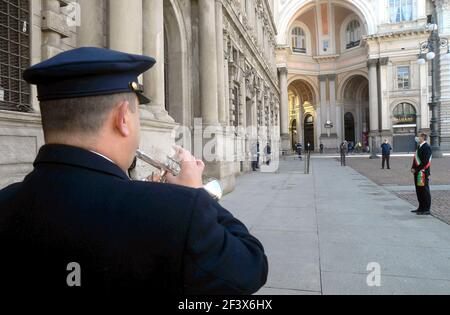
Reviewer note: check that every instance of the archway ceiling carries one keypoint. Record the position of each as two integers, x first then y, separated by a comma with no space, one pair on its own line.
303,90
355,86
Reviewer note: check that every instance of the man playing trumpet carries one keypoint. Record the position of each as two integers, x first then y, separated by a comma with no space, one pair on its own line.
79,208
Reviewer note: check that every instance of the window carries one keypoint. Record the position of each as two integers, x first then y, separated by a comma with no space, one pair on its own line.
14,54
298,40
403,80
404,114
401,10
353,34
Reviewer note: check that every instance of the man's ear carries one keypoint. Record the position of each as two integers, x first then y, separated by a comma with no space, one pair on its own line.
122,119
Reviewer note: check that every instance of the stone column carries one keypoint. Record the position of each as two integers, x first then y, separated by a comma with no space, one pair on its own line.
54,29
325,108
443,17
208,62
359,122
284,110
385,112
90,32
220,64
335,110
125,26
340,123
153,45
227,92
424,122
373,103
319,126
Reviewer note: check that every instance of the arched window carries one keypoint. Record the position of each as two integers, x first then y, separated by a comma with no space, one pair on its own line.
298,40
404,114
401,10
353,34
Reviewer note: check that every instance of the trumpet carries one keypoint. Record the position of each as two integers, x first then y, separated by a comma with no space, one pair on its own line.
171,166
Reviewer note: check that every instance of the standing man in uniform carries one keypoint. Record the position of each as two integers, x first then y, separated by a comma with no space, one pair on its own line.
79,209
421,169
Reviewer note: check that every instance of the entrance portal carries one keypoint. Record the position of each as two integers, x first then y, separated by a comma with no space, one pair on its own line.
349,127
309,132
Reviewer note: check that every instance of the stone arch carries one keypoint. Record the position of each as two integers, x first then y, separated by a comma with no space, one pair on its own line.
345,79
411,101
309,83
178,64
293,8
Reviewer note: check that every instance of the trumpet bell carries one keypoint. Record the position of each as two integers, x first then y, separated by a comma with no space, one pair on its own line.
214,189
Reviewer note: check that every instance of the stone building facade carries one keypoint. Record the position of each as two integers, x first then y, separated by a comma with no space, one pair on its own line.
216,70
349,71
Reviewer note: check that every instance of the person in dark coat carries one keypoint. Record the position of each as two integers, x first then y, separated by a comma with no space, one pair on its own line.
268,153
421,168
343,151
299,148
254,156
386,152
78,221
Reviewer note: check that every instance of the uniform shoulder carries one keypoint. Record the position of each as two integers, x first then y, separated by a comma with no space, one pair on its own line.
9,190
167,192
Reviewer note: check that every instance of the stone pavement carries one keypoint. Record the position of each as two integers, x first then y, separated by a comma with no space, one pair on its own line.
399,181
322,230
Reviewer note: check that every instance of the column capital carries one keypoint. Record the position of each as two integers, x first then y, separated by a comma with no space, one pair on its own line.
323,77
282,68
372,62
384,61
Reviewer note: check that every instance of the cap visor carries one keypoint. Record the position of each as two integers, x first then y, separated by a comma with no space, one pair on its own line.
143,99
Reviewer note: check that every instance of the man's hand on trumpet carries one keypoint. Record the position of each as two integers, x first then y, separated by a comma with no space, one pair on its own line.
191,174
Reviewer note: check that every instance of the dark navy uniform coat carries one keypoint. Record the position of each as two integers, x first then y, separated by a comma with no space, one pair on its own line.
78,207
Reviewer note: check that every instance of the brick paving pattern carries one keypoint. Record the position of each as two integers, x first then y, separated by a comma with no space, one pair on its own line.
400,175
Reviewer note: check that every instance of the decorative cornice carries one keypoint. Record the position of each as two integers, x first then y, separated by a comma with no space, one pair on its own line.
395,34
325,58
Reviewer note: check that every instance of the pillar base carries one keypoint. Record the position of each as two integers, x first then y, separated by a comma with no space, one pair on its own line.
330,143
375,143
445,143
221,146
156,140
286,145
160,113
437,153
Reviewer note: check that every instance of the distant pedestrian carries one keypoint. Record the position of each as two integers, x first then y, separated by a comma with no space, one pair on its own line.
386,152
343,150
254,157
321,148
268,153
258,155
299,148
421,169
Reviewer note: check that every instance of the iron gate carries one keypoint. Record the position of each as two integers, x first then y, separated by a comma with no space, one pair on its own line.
14,54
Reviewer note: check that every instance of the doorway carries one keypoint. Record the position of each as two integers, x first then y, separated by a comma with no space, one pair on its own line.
349,120
309,132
